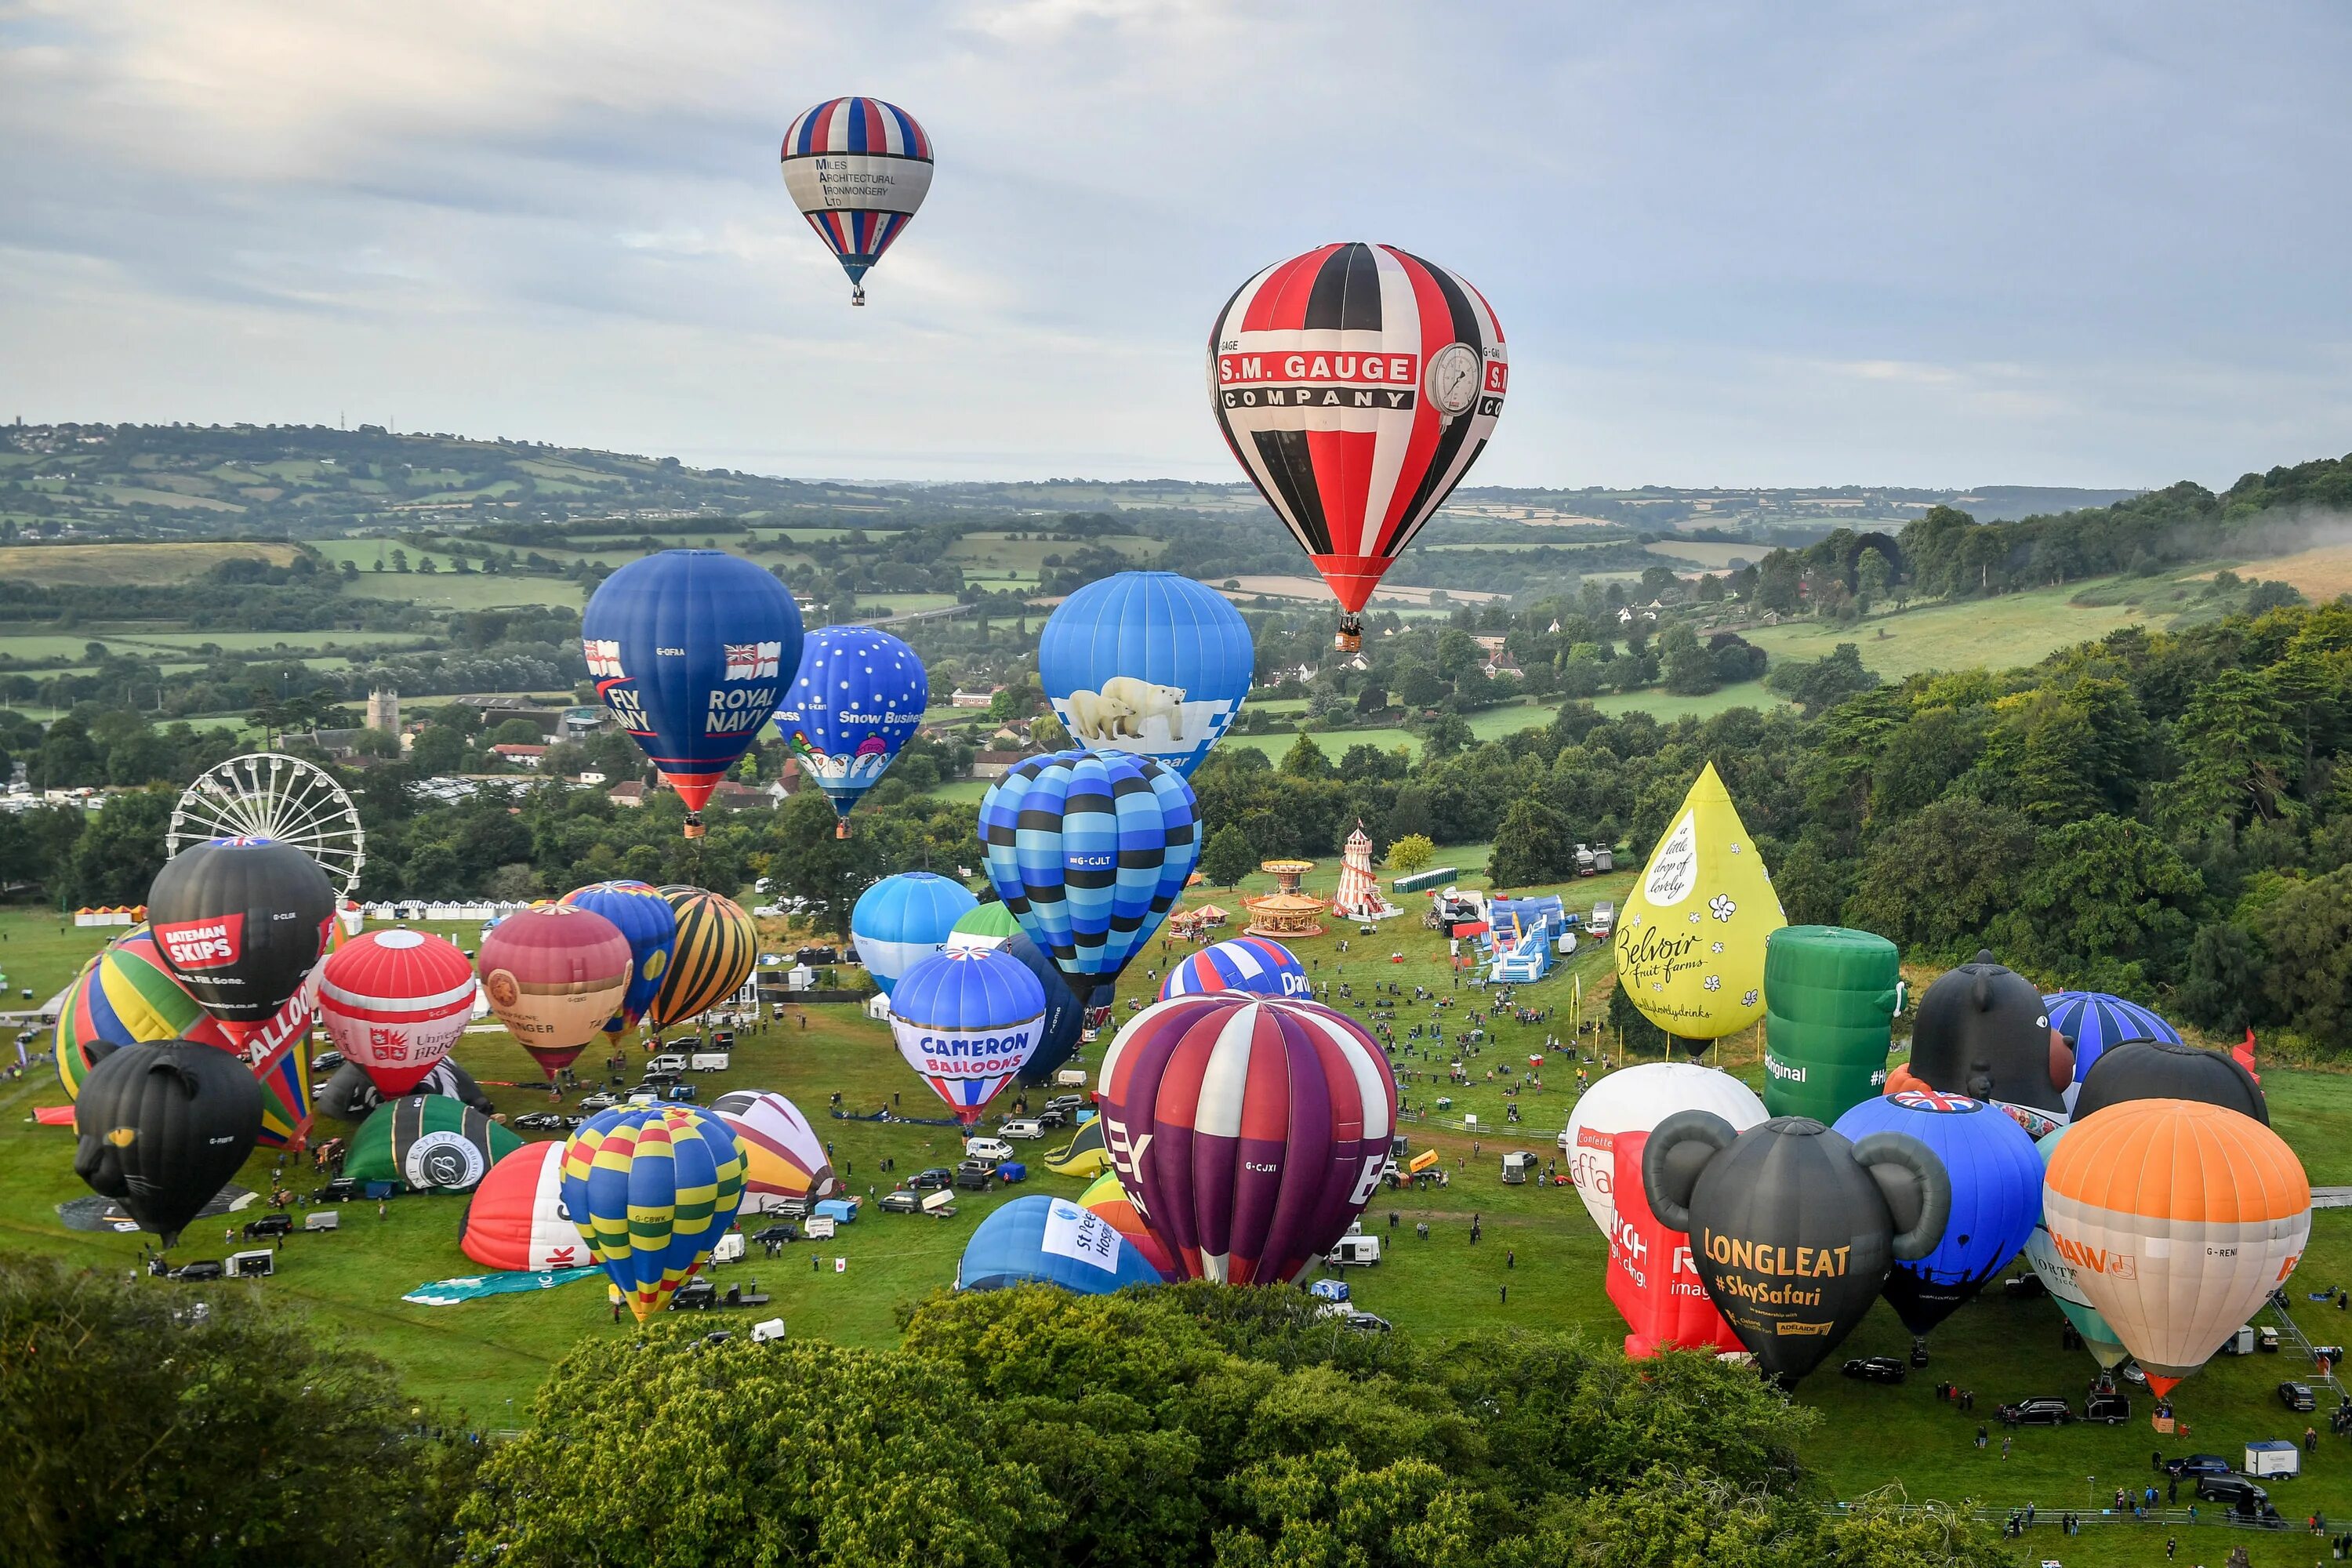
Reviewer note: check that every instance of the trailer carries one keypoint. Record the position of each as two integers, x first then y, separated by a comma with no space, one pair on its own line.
2276,1457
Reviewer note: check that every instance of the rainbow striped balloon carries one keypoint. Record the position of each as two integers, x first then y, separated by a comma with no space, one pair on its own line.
652,1189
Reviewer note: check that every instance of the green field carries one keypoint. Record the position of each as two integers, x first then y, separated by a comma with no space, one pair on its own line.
2010,630
132,565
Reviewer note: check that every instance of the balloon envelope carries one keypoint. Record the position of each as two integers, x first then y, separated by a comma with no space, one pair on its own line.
782,1155
1980,1030
1634,1099
395,1002
350,1095
552,974
1106,1197
1691,939
1830,995
427,1143
857,168
717,946
2057,1277
642,916
1147,661
1064,1023
857,697
1040,1240
162,1126
967,1021
903,919
241,923
689,650
986,926
2092,1021
652,1189
1654,1279
1251,963
1250,1132
2167,1070
517,1220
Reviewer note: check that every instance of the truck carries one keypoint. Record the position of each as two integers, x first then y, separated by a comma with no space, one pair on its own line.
1517,1166
1355,1252
1604,919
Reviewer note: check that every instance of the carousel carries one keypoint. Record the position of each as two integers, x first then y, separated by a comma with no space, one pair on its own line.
1281,915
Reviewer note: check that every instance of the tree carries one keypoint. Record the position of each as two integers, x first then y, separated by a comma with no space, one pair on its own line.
438,750
1939,881
121,849
1410,854
1689,670
1531,847
1872,576
1305,760
2223,990
1444,735
2306,932
1227,857
1049,734
2109,904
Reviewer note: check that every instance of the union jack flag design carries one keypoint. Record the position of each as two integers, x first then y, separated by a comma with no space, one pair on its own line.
604,657
1935,1099
753,660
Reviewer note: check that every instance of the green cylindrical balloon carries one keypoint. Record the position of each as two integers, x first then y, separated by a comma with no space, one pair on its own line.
1829,1000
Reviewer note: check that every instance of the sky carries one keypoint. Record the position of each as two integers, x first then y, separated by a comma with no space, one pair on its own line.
1737,244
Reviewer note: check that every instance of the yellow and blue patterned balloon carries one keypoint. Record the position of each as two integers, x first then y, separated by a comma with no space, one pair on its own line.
652,1189
646,918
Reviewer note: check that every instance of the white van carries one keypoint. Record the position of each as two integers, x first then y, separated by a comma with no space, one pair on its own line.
668,1062
1024,1128
987,1149
730,1249
1355,1252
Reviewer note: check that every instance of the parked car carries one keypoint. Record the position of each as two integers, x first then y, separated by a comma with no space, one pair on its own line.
1049,1117
901,1201
2294,1396
682,1092
776,1232
326,1061
973,1175
1874,1368
202,1269
697,1295
928,1180
1067,1102
2115,1409
2194,1465
2036,1412
283,1224
341,1190
659,1078
1026,1127
600,1101
547,1121
1368,1323
2239,1492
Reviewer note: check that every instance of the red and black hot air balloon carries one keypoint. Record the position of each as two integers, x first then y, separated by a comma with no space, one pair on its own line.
1356,385
241,923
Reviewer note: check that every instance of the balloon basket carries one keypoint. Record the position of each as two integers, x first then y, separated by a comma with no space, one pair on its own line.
841,829
1349,637
694,824
858,296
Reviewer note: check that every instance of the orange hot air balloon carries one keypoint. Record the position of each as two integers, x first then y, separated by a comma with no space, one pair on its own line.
2178,1218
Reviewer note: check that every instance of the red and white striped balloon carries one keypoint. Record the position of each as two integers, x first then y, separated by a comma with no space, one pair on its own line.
395,1002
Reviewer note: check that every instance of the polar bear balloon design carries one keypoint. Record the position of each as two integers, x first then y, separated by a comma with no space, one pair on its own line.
1121,710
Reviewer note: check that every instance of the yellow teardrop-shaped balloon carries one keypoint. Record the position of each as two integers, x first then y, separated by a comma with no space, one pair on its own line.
1690,941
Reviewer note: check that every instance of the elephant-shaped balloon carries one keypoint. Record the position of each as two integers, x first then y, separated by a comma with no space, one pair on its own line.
1982,1030
1794,1229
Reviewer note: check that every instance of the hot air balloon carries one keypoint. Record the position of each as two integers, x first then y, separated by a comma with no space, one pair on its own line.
241,923
1249,1131
516,1219
161,1127
966,1021
2168,1069
652,1189
1691,940
1830,999
857,697
782,1155
1065,1024
428,1144
1089,850
1106,1197
643,916
986,926
1635,1100
1996,1178
1041,1241
2092,1020
690,649
1356,385
552,974
1794,1227
903,919
1149,662
1251,963
351,1094
395,1002
717,948
1654,1276
2057,1276
857,168
2179,1218
1981,1031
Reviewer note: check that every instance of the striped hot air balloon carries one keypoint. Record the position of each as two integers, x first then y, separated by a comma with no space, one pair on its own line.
782,1155
395,1002
857,168
2092,1020
2177,1219
652,1189
1249,963
1106,1197
716,947
552,974
640,913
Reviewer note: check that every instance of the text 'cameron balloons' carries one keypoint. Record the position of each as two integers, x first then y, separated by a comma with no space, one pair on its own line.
395,1002
241,923
552,974
857,168
162,1126
2092,1021
857,697
1106,1197
1041,1241
1794,1229
691,649
652,1189
782,1156
642,916
1090,850
1249,963
900,920
2057,1276
1654,1279
1830,999
1063,1028
967,1021
717,946
2168,1069
1635,1100
1147,661
516,1219
1356,385
1249,1131
2179,1218
1996,1176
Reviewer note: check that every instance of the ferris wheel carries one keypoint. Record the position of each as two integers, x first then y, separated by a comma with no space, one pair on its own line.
268,795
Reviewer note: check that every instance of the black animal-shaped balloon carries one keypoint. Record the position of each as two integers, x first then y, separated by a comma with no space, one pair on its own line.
1981,1031
1792,1227
162,1126
2162,1070
351,1094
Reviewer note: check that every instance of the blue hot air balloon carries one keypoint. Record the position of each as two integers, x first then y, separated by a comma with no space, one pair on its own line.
1064,1022
1243,963
2092,1020
691,649
1089,850
900,920
967,1020
1996,1180
1040,1240
641,915
858,695
1147,661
